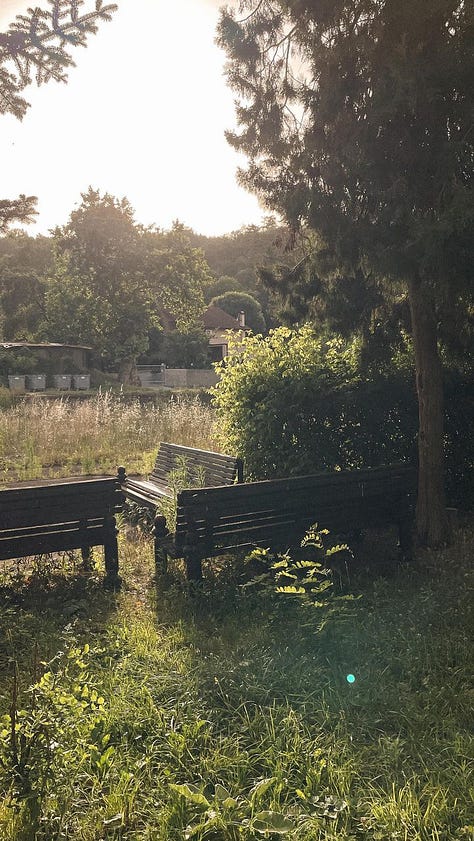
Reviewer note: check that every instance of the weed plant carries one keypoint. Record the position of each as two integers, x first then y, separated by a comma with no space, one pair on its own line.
217,714
61,437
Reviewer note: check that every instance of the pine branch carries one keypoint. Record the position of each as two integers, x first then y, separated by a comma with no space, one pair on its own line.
21,209
38,45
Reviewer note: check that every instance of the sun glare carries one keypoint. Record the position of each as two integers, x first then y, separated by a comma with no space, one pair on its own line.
143,115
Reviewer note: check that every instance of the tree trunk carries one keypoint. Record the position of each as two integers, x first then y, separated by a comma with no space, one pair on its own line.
432,520
128,374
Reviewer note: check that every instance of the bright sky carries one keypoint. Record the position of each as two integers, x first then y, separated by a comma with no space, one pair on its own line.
143,116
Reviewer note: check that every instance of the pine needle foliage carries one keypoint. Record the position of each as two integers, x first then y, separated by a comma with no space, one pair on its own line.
21,209
37,47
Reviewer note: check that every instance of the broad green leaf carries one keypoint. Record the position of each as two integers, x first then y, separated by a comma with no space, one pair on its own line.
275,822
259,789
191,793
224,797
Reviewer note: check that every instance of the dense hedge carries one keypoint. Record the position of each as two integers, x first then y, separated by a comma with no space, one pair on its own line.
294,403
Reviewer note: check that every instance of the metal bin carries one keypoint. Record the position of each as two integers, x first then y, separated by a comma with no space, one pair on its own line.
62,381
36,382
16,382
81,381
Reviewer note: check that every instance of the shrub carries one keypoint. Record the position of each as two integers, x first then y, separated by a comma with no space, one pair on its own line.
295,403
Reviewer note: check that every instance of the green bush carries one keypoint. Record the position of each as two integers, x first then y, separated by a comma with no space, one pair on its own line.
295,403
19,362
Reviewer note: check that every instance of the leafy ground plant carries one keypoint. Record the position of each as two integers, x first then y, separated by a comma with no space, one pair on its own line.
225,724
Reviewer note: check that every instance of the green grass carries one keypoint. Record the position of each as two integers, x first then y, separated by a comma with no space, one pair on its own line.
227,716
163,713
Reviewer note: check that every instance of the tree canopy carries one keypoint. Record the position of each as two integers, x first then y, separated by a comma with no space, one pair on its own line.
234,302
97,293
356,119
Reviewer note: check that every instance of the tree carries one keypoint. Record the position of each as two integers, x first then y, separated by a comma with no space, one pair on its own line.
349,304
37,44
97,293
235,302
221,285
356,119
177,275
24,261
21,209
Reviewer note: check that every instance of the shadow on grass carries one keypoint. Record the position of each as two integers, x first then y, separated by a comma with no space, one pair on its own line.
44,602
406,622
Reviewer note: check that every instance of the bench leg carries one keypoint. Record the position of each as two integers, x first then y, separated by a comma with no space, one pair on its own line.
86,554
192,554
160,532
193,566
112,578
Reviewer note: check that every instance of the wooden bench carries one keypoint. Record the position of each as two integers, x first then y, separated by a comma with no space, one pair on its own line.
202,468
40,517
277,513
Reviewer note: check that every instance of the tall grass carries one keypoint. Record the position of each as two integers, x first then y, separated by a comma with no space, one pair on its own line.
54,438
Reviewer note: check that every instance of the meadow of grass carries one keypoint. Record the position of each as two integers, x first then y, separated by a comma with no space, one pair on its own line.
218,713
63,436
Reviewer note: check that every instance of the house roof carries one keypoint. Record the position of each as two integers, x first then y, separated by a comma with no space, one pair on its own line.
216,319
39,345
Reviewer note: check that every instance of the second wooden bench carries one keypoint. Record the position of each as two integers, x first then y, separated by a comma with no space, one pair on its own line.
202,467
276,513
52,516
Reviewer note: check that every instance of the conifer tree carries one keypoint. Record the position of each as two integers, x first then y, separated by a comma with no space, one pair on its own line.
356,119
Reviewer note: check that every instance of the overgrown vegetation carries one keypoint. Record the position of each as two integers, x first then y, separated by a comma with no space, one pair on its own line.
65,436
297,402
225,714
228,711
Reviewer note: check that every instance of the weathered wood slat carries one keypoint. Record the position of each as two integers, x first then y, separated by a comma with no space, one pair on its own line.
213,520
58,490
378,480
52,516
202,467
52,541
37,512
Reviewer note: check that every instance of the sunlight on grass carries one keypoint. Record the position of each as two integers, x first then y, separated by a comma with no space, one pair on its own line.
219,717
61,437
166,712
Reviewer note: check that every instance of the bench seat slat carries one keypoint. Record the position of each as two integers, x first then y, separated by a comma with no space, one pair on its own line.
145,486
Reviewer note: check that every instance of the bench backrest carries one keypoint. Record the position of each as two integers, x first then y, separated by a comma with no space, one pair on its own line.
202,467
53,516
272,512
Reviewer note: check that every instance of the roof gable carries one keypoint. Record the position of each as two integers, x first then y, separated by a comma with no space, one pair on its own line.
214,319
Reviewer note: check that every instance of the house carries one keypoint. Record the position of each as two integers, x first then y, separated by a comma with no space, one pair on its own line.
217,324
